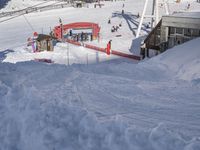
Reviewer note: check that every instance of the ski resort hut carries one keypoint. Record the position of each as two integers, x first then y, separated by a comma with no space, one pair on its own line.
172,30
78,4
44,43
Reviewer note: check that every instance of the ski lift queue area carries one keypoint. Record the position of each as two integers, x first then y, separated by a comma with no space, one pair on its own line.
79,34
79,31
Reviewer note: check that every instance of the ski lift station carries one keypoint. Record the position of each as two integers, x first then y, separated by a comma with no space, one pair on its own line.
172,30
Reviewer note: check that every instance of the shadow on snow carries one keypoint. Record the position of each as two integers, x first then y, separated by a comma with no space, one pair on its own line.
4,53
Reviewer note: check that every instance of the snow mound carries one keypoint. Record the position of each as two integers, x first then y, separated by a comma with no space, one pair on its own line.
183,60
32,120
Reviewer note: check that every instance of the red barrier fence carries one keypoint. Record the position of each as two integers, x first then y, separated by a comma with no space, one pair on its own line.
125,55
117,53
73,42
95,48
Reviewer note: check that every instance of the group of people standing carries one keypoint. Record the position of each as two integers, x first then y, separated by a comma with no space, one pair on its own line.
114,28
80,36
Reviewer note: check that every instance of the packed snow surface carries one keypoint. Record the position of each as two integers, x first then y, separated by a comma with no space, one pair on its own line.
110,105
87,100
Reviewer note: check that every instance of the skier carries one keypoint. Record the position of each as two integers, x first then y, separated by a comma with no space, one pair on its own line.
113,29
82,34
120,25
34,45
70,32
116,28
138,15
108,48
91,37
109,21
188,6
122,11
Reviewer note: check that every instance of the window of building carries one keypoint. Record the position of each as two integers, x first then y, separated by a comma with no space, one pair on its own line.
172,30
187,32
195,32
179,30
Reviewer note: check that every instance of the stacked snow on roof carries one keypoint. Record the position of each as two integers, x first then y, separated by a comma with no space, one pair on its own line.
190,14
183,60
195,15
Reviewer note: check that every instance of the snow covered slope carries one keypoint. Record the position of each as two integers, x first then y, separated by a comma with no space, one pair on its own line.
19,4
13,5
114,104
110,105
188,66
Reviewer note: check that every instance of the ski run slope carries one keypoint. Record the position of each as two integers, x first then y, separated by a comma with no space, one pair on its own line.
107,103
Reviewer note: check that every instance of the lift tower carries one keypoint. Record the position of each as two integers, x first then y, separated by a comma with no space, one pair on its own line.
154,15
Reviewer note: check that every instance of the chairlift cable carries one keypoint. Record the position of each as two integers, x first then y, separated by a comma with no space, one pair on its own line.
29,23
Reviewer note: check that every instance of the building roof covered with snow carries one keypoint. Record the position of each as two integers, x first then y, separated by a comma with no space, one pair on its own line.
186,15
182,20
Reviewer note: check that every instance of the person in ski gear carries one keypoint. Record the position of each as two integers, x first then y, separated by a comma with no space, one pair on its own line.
109,21
108,48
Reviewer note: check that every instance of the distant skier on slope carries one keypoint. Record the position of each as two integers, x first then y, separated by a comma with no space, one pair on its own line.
109,21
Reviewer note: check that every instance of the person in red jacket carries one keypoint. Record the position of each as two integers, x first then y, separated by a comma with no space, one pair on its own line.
108,47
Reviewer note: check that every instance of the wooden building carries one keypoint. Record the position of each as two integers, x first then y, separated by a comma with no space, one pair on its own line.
172,30
78,3
44,43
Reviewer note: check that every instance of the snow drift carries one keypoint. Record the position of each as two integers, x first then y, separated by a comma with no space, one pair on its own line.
39,111
183,60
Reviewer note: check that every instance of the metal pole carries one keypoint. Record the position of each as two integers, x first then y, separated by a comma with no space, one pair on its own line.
142,18
153,15
166,8
87,59
157,12
61,29
67,53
